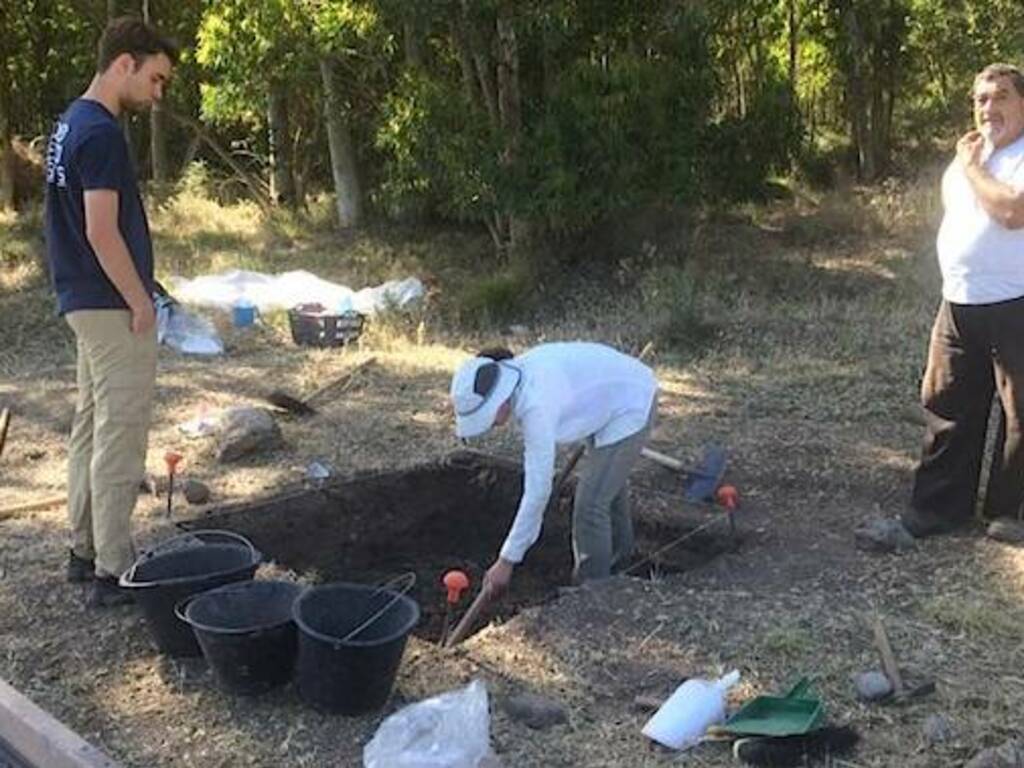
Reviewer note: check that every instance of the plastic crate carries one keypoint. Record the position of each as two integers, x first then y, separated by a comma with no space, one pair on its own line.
311,327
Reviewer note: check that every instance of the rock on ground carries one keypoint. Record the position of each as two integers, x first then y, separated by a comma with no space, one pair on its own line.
1007,755
884,536
244,431
872,686
937,729
196,492
533,710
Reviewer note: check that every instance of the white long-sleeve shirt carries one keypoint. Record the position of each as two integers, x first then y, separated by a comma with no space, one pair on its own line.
569,392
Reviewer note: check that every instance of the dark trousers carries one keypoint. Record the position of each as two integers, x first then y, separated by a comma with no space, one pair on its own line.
974,352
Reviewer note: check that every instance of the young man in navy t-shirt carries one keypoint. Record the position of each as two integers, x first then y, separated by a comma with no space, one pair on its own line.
101,262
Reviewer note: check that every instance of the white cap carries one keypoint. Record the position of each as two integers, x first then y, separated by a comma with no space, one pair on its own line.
479,388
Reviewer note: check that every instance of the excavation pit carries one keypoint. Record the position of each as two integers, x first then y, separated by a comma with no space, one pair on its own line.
452,513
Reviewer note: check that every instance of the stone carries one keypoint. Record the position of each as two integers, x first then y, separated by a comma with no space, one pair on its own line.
884,535
195,491
1006,530
244,431
872,686
1008,755
937,729
537,712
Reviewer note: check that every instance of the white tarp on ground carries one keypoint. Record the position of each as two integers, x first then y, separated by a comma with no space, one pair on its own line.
283,291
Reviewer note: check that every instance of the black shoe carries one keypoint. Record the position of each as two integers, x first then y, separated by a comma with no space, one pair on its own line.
80,569
104,593
921,524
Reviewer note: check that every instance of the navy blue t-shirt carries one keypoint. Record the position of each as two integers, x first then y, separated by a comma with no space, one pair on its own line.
88,151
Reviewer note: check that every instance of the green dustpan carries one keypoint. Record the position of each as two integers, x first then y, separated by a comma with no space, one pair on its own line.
794,714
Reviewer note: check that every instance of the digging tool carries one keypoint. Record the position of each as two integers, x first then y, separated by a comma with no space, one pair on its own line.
455,582
483,599
304,406
5,421
171,459
700,482
900,692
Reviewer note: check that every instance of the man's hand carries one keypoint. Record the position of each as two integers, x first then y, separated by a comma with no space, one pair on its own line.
498,576
143,318
969,149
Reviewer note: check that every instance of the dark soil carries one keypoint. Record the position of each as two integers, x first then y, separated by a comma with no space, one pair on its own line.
454,513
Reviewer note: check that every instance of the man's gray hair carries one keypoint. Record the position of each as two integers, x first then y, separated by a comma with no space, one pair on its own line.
998,70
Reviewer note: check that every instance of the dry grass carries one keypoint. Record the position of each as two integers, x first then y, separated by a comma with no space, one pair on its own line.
820,316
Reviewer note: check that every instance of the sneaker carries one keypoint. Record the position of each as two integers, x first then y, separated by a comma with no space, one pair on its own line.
1006,530
884,535
105,593
80,569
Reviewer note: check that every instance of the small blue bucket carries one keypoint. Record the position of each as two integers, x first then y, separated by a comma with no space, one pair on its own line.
243,314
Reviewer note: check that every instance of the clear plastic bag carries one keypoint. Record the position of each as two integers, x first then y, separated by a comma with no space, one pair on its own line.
451,730
184,331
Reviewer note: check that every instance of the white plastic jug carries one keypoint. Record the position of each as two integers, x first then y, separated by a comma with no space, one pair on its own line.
694,706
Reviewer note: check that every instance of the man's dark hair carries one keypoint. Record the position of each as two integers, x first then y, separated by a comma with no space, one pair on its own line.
997,70
130,34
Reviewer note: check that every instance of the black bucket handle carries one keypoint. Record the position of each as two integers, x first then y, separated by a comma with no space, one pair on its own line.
400,586
405,582
127,579
181,608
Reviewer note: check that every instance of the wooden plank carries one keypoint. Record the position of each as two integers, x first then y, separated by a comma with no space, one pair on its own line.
40,739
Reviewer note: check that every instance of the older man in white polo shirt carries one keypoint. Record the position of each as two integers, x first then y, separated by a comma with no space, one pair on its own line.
563,393
977,341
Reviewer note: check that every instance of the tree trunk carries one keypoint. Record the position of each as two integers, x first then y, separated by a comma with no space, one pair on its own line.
460,42
485,76
343,160
856,94
413,48
6,164
157,135
282,181
111,9
510,112
794,46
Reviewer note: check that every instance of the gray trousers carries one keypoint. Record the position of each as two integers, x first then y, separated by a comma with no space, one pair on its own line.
602,528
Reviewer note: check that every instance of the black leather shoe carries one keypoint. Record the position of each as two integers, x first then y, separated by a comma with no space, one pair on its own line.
921,524
104,593
80,569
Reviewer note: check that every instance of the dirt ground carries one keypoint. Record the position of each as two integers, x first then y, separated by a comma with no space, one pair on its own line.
813,399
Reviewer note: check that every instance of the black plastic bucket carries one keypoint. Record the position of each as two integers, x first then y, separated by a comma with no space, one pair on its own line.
184,566
246,632
354,675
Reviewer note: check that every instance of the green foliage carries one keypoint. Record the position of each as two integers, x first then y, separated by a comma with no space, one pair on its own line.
612,138
440,154
494,298
675,305
741,152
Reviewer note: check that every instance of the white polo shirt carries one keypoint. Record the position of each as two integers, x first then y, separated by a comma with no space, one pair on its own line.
569,392
982,261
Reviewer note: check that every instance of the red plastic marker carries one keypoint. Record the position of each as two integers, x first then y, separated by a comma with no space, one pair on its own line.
729,497
456,582
171,459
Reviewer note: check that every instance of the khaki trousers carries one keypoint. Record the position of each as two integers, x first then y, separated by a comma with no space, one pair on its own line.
602,525
107,451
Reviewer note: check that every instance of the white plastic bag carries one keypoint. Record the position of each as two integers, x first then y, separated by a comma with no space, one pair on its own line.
451,730
184,331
